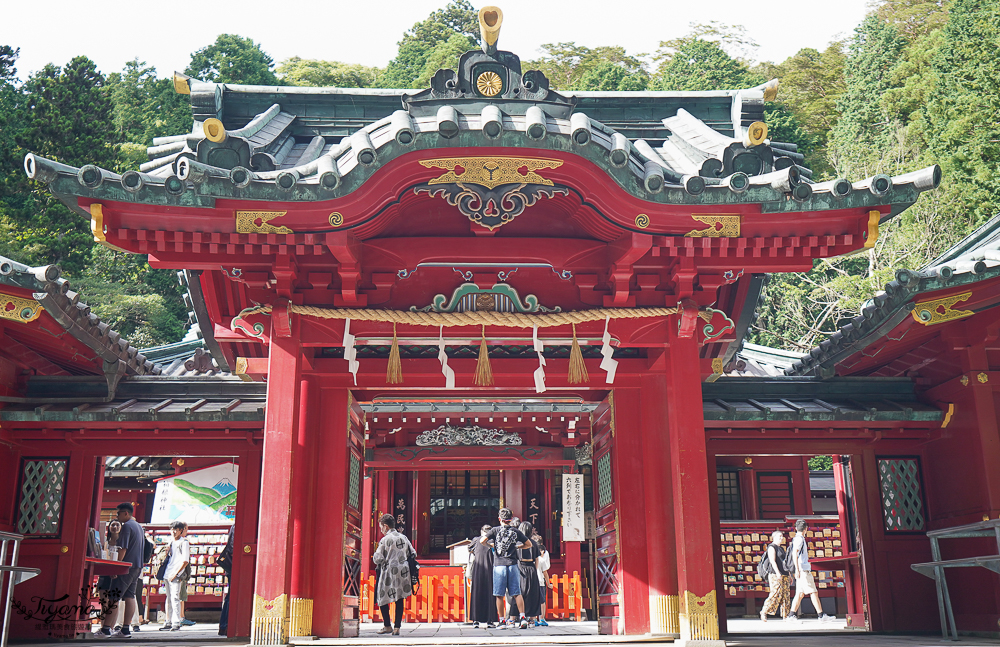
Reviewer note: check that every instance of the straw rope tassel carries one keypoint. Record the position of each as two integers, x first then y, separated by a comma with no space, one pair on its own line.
484,372
394,371
577,367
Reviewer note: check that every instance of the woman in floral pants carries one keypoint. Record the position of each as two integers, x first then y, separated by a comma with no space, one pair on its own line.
777,579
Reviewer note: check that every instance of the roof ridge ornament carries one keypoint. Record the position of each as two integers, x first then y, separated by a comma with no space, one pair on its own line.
490,19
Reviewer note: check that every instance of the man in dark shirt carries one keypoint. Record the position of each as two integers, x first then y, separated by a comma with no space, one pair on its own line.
506,576
130,544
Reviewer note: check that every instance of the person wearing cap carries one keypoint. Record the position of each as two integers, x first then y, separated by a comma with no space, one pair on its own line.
507,539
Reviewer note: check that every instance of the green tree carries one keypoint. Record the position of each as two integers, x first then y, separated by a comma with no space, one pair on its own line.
458,17
145,107
698,64
607,76
233,59
326,74
913,18
566,64
963,111
444,56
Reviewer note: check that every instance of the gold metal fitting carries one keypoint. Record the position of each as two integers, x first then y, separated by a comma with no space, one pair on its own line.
490,19
181,85
214,130
756,134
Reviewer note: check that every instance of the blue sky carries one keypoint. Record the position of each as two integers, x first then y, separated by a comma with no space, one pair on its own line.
112,32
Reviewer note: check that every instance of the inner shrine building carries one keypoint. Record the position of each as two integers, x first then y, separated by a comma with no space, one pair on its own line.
436,303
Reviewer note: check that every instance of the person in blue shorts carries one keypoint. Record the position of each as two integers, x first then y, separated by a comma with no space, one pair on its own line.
507,539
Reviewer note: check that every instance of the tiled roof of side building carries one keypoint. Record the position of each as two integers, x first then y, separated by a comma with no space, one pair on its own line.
974,259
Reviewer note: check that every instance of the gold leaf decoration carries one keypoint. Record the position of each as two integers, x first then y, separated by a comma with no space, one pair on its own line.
642,221
19,309
718,227
491,172
258,222
935,311
336,219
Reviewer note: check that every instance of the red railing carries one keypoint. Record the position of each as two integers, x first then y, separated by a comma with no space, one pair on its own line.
441,598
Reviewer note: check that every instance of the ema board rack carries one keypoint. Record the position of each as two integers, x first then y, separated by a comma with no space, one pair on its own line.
743,542
207,584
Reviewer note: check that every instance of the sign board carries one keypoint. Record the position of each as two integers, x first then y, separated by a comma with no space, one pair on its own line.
535,516
205,496
399,510
572,500
590,522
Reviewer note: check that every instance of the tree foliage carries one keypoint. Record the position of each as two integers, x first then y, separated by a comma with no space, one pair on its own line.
408,68
697,64
567,64
326,74
233,59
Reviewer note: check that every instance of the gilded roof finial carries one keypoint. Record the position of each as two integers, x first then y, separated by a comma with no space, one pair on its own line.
490,19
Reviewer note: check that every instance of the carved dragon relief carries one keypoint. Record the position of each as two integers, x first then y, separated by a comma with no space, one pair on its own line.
446,435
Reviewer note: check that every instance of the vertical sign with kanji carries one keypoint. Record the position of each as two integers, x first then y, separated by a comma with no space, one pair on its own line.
535,515
573,519
399,508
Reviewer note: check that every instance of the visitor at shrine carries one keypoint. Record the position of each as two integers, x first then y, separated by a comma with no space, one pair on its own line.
479,572
392,578
225,562
507,540
178,559
185,580
543,564
804,582
773,565
122,587
527,566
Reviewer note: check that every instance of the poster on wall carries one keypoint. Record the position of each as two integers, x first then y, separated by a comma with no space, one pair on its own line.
204,496
572,519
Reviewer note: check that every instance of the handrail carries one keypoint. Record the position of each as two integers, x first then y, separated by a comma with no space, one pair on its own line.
17,575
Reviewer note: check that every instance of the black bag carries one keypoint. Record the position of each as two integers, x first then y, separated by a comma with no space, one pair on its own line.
764,566
414,569
148,547
161,572
789,560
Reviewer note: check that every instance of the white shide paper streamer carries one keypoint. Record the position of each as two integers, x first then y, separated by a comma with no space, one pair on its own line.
350,353
608,364
449,373
540,371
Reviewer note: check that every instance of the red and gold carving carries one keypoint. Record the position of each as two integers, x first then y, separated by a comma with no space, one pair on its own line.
19,309
491,172
718,227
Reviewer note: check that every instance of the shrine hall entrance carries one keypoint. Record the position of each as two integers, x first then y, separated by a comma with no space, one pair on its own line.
461,502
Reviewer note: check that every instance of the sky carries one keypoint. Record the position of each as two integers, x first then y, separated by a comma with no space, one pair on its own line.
112,32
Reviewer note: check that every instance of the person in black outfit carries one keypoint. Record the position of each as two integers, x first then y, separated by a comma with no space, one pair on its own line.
527,559
479,572
506,576
225,561
777,579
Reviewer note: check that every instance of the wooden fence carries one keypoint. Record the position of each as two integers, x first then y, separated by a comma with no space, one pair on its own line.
441,598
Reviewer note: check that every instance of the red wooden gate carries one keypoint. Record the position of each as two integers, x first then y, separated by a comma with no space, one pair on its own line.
606,578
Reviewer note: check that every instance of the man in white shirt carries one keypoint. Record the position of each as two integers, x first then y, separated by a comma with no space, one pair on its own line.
804,582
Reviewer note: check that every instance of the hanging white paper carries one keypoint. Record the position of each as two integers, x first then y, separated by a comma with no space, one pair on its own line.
449,373
540,371
608,364
573,522
350,353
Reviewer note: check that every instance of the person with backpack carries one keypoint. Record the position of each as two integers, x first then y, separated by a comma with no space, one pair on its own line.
131,549
798,559
507,540
772,570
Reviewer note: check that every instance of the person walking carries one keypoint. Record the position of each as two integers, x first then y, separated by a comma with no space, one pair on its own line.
122,587
178,558
777,578
185,580
479,572
507,540
544,563
804,582
392,582
528,575
225,562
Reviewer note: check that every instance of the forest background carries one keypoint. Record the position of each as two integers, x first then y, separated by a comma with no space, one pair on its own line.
917,83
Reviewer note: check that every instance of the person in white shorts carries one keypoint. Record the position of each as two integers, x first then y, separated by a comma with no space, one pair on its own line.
804,582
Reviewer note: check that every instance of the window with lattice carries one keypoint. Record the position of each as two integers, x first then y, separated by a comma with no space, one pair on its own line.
42,486
354,483
604,491
730,501
902,499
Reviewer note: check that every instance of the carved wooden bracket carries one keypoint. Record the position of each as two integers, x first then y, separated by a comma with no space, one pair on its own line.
281,318
688,319
346,248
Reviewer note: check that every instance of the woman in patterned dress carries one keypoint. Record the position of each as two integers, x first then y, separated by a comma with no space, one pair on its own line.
393,581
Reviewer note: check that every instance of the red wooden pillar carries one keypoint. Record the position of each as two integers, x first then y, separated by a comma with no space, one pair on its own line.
327,558
274,538
699,615
303,492
633,512
241,583
660,553
367,527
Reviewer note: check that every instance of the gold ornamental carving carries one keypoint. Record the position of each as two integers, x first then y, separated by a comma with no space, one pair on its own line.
937,311
269,625
699,616
19,309
491,172
718,227
336,219
642,221
258,222
489,84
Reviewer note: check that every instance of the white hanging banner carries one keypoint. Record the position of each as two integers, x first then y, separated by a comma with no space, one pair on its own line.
449,373
573,519
608,364
350,353
540,371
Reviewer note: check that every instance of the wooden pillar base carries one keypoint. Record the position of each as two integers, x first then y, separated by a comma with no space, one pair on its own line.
699,617
664,615
269,625
300,618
